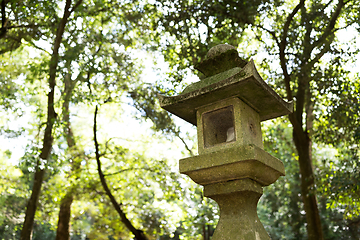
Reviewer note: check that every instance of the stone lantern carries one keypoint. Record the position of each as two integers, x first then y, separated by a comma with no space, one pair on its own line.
227,106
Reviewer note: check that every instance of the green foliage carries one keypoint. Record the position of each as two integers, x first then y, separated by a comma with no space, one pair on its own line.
12,195
340,112
305,59
26,21
193,27
340,181
97,65
280,207
144,100
43,231
12,67
337,185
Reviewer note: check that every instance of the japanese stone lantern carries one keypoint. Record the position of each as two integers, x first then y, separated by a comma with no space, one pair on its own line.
227,106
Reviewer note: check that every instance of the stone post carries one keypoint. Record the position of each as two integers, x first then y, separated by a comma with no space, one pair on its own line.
227,107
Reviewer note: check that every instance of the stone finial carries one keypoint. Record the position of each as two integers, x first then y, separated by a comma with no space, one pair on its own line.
218,50
219,59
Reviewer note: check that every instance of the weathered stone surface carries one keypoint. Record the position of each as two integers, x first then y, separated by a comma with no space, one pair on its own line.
220,59
246,123
247,85
218,50
211,80
228,187
231,164
238,216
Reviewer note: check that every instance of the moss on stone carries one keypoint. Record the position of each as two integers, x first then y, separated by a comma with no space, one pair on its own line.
221,63
213,79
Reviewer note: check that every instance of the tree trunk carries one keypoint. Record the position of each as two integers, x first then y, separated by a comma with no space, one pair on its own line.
301,137
63,229
26,232
303,146
296,218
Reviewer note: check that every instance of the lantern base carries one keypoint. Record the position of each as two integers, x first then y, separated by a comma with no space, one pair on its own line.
238,162
237,201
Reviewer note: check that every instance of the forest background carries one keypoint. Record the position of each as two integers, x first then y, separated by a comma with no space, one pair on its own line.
87,153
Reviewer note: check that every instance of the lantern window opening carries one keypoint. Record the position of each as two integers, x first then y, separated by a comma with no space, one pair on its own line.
218,126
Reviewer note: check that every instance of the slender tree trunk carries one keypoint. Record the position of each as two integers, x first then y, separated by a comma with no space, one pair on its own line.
26,232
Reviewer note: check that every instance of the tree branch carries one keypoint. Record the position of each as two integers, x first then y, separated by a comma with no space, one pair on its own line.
288,21
76,5
272,34
297,125
328,36
139,235
125,170
23,26
3,19
177,134
37,47
282,47
331,25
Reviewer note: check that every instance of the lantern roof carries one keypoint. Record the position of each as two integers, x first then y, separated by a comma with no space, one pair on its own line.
226,76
